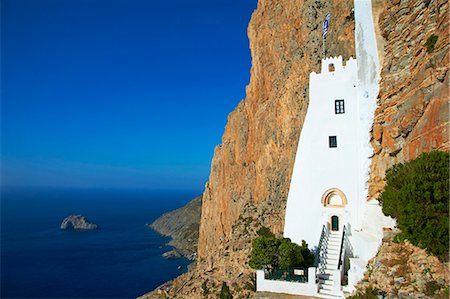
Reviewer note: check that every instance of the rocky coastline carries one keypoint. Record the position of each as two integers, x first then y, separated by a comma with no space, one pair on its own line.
182,226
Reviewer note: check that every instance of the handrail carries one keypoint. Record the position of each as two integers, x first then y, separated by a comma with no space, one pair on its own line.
320,255
316,254
342,247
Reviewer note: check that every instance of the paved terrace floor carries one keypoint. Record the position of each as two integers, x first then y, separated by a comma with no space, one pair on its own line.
267,295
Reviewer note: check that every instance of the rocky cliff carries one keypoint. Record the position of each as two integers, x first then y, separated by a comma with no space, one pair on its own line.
251,169
405,271
182,225
413,109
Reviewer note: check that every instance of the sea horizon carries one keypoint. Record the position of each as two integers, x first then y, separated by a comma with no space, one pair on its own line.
120,260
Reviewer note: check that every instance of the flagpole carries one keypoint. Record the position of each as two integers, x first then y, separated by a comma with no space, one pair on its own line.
324,33
323,46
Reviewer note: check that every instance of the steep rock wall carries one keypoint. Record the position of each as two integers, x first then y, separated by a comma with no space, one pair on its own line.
251,169
413,110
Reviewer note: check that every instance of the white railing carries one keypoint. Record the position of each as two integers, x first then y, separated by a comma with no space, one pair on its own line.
321,252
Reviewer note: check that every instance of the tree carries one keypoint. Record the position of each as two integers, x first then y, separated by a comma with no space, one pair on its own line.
417,195
225,292
267,250
289,254
264,251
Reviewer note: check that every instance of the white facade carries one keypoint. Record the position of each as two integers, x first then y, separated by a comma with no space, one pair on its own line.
319,168
329,180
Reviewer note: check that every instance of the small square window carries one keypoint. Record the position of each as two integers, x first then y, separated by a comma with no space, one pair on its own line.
332,140
339,107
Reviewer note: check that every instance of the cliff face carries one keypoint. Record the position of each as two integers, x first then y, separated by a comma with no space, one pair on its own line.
413,111
251,169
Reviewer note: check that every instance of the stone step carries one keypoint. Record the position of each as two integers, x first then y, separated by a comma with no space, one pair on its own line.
332,268
328,287
334,242
326,276
332,258
326,281
327,292
336,250
334,246
331,264
332,254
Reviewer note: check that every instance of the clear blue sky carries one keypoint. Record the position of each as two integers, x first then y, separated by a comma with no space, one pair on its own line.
118,93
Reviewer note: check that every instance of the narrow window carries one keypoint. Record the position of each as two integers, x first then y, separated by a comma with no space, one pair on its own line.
331,67
339,107
332,141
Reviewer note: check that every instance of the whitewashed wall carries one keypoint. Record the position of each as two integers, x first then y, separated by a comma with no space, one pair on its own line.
367,89
287,287
317,167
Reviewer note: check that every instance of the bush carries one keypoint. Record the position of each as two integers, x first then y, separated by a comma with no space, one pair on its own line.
267,250
431,287
417,195
369,293
431,41
205,289
225,292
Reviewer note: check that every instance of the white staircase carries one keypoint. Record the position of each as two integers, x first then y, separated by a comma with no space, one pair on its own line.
326,279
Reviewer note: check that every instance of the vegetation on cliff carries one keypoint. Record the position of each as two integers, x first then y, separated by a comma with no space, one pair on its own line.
416,194
269,250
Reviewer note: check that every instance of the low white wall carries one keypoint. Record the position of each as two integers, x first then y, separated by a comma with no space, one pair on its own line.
287,287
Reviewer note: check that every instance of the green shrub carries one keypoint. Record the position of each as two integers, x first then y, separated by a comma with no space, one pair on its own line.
289,254
431,41
267,250
431,287
369,293
264,231
225,292
417,195
205,289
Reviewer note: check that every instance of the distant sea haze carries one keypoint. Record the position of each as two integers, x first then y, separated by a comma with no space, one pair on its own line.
120,260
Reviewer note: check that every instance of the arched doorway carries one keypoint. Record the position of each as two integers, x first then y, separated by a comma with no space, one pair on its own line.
334,198
334,223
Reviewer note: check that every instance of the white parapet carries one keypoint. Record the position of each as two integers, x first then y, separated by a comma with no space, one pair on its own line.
287,287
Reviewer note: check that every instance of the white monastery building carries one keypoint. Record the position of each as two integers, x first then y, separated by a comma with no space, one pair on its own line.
327,203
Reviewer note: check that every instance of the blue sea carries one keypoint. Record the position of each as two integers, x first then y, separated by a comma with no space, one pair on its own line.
120,260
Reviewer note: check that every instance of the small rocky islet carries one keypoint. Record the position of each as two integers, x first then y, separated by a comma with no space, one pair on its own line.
78,222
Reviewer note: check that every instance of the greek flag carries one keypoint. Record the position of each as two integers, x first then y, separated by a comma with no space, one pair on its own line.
325,25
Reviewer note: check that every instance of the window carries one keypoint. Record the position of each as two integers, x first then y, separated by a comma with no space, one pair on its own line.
339,107
332,140
331,67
